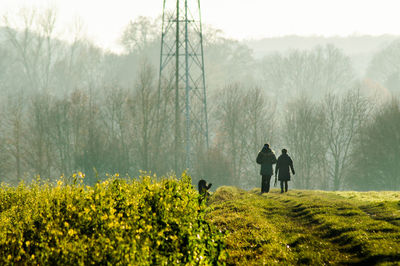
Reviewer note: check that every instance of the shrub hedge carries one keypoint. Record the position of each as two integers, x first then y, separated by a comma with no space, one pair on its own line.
117,221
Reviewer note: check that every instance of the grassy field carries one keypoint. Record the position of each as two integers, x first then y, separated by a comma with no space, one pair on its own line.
308,227
158,221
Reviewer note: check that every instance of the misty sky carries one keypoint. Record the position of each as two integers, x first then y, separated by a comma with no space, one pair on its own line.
239,19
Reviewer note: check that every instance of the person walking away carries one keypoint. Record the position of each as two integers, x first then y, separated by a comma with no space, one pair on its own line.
266,158
282,169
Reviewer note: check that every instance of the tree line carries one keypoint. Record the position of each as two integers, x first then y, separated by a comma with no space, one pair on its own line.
68,107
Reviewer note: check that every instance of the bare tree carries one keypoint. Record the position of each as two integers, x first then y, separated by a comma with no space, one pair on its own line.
5,174
304,136
145,101
344,116
375,157
34,44
15,131
307,73
79,126
40,155
139,34
227,60
231,133
384,67
69,72
260,123
165,124
116,120
61,135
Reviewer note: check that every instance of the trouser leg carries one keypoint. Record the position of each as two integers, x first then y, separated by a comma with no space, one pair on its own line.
263,177
282,186
265,181
286,186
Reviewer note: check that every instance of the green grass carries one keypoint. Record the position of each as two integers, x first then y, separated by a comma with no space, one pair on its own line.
151,221
308,227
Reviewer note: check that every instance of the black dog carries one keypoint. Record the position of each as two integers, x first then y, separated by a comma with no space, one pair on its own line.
203,188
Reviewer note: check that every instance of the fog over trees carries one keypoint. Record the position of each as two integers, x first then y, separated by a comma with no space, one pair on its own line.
71,106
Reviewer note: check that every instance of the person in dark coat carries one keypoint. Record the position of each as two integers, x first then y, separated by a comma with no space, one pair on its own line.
266,157
282,169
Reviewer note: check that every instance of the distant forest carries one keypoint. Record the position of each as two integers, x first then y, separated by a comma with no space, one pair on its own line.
72,106
360,48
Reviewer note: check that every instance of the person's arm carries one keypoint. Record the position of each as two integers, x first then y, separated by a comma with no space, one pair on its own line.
274,161
259,158
276,168
208,186
291,166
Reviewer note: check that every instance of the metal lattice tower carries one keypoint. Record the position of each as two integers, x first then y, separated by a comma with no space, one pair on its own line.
182,70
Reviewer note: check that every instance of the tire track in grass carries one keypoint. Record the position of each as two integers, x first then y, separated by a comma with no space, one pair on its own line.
299,229
307,228
251,239
383,211
342,222
264,230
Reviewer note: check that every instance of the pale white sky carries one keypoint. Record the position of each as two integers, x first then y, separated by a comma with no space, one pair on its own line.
239,19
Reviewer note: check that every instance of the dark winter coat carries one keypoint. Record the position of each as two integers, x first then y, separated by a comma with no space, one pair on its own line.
266,158
282,167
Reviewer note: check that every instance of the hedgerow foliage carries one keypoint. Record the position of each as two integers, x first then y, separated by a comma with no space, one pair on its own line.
141,221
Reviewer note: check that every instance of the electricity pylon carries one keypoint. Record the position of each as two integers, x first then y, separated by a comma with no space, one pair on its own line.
182,70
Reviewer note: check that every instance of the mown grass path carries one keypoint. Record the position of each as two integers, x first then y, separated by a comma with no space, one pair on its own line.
308,227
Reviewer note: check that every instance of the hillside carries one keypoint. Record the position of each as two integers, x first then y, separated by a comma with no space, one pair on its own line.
351,45
308,227
360,48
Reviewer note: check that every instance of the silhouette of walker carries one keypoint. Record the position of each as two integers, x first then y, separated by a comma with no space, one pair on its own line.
282,169
266,157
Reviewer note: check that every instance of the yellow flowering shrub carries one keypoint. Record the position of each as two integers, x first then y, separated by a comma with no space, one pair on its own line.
118,221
